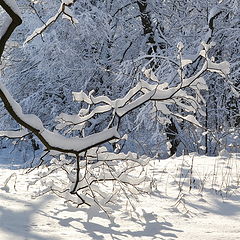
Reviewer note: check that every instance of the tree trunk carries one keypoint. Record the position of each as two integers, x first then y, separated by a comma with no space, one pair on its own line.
148,30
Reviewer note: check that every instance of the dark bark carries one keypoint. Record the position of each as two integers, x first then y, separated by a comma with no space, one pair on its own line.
147,26
172,132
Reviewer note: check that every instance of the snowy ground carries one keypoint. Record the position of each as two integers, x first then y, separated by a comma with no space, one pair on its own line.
193,198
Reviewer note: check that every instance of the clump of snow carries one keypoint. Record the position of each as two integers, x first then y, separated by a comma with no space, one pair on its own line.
224,154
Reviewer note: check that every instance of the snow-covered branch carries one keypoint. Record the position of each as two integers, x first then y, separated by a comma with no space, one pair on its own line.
63,11
147,91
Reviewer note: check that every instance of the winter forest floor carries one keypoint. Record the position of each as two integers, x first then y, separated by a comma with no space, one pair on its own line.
194,198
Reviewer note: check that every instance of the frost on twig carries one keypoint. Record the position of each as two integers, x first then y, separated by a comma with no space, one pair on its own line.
63,11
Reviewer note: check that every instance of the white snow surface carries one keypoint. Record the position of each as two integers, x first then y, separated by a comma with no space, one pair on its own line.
204,212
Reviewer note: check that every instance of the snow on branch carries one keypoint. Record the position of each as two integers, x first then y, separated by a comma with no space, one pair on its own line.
52,140
144,92
63,11
14,134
